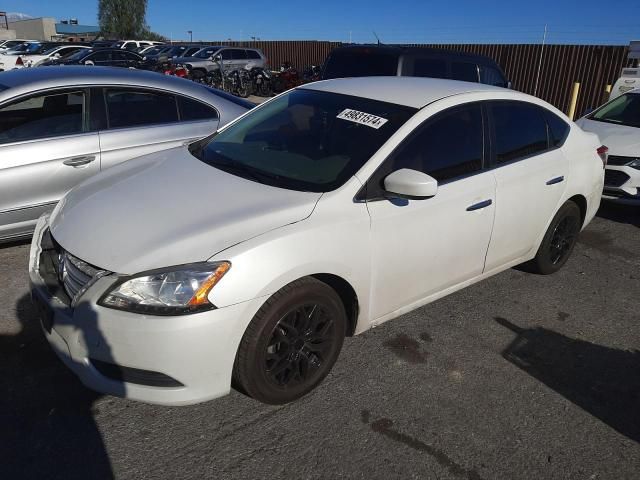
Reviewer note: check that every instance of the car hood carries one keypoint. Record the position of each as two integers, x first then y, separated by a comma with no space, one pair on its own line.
166,209
621,140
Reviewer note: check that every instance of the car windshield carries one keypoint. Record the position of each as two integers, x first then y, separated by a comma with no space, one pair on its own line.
365,62
205,52
624,110
304,140
156,50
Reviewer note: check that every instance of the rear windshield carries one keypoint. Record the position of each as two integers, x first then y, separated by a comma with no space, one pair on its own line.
361,63
3,87
232,98
206,52
305,140
624,110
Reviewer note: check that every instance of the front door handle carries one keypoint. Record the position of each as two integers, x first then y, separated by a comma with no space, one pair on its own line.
79,161
479,205
553,181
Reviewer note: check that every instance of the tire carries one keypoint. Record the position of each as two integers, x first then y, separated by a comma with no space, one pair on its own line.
558,242
291,344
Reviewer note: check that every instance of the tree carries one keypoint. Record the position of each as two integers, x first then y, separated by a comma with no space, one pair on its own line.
122,18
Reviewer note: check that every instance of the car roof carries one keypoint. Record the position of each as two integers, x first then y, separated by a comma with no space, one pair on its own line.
413,92
26,80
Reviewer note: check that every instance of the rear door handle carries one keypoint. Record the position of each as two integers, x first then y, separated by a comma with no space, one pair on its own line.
79,161
479,205
553,181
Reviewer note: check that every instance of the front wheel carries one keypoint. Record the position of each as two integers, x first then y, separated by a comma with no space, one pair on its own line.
558,242
292,342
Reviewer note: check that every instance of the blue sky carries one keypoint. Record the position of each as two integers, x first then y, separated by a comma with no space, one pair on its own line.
397,21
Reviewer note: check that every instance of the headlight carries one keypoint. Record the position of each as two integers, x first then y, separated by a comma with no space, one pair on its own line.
634,164
173,291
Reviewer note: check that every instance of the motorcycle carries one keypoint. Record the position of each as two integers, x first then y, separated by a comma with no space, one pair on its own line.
237,82
312,73
287,78
261,82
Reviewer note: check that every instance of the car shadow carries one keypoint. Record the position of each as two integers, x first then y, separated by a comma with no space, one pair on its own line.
46,414
601,380
619,213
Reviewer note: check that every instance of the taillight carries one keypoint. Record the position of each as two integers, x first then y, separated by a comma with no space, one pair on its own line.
603,152
19,62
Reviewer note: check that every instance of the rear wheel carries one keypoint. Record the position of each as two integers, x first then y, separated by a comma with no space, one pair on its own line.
292,342
558,242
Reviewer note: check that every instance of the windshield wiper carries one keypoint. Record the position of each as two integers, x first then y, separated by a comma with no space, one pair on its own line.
246,171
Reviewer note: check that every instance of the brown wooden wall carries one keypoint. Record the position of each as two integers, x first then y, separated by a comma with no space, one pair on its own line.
594,66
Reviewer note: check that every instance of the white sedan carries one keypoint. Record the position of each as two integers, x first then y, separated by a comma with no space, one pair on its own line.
328,210
617,123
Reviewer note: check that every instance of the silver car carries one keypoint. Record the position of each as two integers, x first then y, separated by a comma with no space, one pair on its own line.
61,125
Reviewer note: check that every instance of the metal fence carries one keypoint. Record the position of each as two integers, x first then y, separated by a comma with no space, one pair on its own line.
594,66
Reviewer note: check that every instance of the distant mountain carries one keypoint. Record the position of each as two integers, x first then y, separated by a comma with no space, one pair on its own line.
15,16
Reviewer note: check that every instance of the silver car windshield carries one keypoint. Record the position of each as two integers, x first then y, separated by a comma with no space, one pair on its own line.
304,140
624,110
205,52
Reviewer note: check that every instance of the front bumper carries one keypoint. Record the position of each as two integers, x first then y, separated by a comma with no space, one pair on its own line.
622,184
197,351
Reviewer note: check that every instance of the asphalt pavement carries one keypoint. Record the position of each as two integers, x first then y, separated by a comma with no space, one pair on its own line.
518,377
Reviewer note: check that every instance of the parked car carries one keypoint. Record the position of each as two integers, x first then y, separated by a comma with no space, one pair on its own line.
168,53
61,125
202,62
58,52
617,123
629,80
101,57
9,44
326,211
16,57
134,45
382,60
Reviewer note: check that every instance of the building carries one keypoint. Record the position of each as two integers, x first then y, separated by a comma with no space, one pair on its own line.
47,29
5,32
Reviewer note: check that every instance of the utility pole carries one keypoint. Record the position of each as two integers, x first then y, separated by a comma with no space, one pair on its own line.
190,32
544,40
350,37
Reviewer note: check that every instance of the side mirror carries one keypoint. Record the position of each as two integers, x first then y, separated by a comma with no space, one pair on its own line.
410,184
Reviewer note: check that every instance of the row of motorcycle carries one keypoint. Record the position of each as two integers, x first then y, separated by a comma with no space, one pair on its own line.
244,82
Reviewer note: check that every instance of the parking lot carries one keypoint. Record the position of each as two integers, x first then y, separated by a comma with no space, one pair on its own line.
517,377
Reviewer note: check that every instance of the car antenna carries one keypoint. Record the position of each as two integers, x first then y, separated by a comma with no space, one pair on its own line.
376,35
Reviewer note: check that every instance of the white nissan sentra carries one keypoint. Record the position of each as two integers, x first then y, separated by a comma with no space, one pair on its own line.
247,257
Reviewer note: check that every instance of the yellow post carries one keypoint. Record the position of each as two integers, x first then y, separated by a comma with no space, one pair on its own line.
608,88
574,100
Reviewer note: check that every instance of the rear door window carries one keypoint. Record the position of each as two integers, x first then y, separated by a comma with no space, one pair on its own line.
491,76
430,67
130,108
227,54
253,55
194,110
520,130
465,71
238,54
43,116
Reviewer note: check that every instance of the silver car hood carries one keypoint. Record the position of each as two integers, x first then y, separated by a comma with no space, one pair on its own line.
168,208
620,139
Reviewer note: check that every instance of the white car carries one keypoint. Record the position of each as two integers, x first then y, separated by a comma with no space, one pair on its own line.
53,54
617,123
135,45
324,212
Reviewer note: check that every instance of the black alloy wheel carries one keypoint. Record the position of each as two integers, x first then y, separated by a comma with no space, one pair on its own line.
291,343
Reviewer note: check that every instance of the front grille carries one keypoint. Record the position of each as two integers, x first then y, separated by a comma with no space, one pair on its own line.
618,160
615,178
74,273
61,269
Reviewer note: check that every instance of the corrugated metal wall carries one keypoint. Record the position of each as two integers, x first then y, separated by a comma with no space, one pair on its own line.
594,66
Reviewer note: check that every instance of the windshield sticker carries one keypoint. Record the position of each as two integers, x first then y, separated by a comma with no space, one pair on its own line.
362,118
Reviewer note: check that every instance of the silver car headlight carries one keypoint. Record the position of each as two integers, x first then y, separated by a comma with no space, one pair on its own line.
172,291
